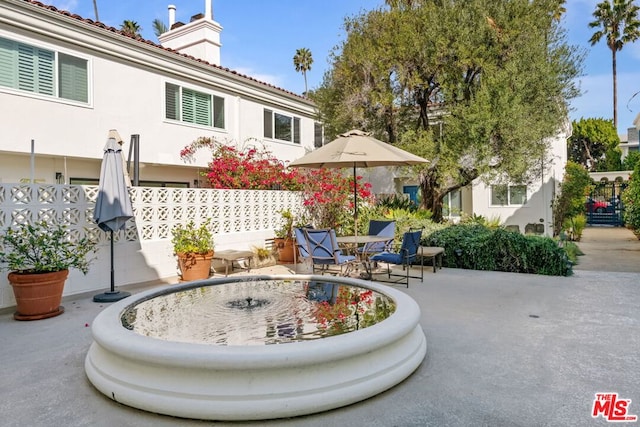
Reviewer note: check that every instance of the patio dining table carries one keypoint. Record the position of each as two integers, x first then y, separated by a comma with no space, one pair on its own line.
351,243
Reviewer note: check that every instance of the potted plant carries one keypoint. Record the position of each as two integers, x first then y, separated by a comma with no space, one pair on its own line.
39,257
193,245
284,238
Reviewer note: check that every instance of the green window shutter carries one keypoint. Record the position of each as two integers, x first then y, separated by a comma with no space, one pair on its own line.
296,130
188,106
36,71
72,78
203,110
8,63
268,124
218,112
317,135
196,107
172,101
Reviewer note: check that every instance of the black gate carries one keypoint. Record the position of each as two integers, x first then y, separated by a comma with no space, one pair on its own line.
604,205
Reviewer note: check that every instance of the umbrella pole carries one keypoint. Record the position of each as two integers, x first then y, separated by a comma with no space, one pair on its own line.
355,201
113,277
112,295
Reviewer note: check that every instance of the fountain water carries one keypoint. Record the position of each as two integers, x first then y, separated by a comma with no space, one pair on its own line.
259,347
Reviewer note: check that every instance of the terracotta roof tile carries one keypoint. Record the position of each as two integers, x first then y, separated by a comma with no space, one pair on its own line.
149,42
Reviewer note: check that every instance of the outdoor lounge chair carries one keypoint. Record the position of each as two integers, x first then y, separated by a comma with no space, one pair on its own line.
405,256
325,255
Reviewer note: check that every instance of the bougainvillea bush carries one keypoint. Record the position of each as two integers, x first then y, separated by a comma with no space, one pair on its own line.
248,168
327,193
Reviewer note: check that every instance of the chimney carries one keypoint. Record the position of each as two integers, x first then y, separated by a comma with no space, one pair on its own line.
208,10
199,38
172,15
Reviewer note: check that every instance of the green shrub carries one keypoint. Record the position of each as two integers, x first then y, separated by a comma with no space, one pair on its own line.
493,222
573,251
396,201
477,247
573,191
631,200
574,226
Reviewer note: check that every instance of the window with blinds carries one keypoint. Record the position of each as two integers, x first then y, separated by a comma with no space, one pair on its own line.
282,127
31,69
191,106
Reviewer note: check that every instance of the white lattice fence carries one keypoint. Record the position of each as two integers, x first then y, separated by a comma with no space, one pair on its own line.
239,218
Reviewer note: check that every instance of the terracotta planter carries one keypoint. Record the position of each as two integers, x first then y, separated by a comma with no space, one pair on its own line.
195,266
285,250
38,295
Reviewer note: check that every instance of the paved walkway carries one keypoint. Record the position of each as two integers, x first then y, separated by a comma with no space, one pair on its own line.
609,249
503,350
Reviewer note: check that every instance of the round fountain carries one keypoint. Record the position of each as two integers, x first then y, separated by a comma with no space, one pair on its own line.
255,347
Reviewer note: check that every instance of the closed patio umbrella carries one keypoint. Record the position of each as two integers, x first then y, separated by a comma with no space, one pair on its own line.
113,205
357,149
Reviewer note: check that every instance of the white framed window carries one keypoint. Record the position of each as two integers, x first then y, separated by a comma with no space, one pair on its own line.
508,195
192,106
35,70
281,126
452,204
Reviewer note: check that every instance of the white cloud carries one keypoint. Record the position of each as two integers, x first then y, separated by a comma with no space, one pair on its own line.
272,79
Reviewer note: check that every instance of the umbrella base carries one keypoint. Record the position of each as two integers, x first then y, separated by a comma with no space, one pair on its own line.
110,296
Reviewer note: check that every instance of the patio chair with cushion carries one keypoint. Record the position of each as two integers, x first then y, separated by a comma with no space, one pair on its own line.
405,256
325,255
383,228
302,254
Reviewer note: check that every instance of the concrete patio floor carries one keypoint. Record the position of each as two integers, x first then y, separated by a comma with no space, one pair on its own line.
503,350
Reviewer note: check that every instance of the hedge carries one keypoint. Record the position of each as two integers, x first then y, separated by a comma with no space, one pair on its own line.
476,247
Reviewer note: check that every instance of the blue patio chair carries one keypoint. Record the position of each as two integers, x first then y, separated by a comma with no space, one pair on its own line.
302,254
383,228
405,257
322,292
325,254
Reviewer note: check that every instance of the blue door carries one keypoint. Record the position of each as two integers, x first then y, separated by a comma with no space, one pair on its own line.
412,191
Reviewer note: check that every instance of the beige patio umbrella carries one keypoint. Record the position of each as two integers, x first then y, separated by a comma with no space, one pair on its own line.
357,149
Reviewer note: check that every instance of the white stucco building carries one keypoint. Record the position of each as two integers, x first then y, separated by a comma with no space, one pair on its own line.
66,81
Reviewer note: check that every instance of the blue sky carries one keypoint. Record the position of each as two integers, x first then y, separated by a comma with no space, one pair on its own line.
260,37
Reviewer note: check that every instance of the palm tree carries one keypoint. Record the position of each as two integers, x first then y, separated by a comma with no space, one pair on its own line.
619,24
302,61
159,27
95,9
130,28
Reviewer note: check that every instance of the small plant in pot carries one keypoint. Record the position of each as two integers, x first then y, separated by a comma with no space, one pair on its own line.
284,238
39,257
193,245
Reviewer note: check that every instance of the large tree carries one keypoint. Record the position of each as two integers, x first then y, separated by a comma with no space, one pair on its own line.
476,86
618,23
594,145
302,60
